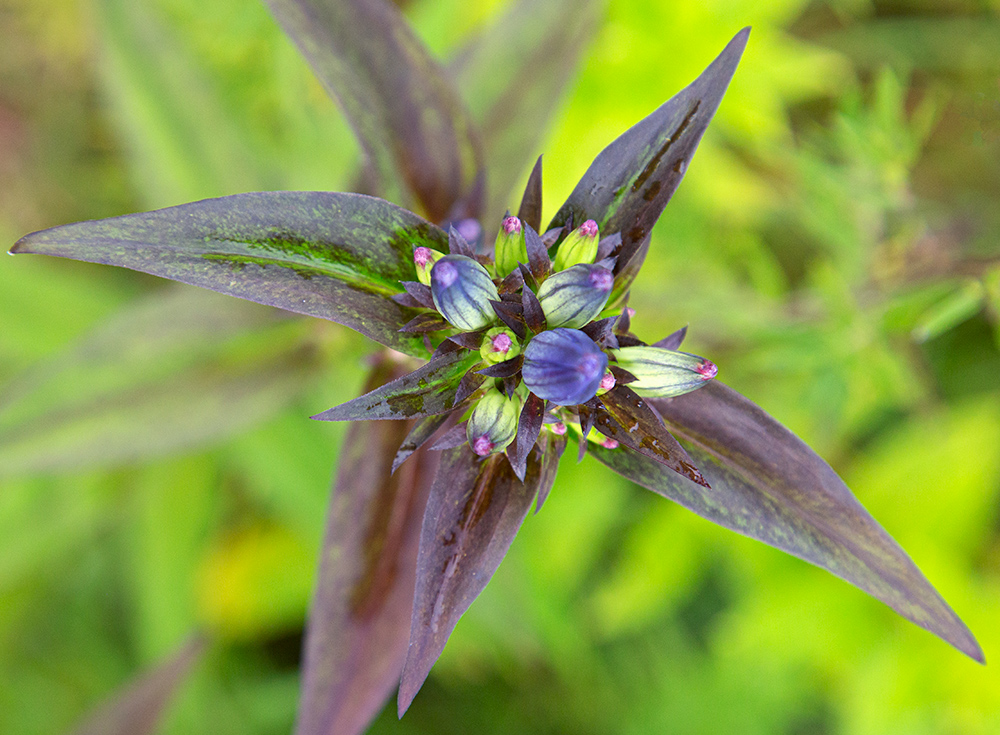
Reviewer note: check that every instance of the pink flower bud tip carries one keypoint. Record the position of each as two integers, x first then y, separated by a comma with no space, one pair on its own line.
589,228
608,381
501,342
482,445
511,225
707,370
558,428
609,443
422,256
630,311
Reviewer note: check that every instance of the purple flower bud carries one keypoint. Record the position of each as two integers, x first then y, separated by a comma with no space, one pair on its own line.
572,297
424,259
564,366
580,246
493,423
664,373
510,248
462,290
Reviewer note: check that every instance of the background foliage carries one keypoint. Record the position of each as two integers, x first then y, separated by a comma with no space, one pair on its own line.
833,249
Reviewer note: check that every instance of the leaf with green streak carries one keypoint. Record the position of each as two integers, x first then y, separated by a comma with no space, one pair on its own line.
474,511
767,484
512,78
138,709
358,628
428,390
630,182
335,256
404,109
173,372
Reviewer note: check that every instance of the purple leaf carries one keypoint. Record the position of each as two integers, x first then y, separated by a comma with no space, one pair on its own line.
529,425
538,254
456,436
422,432
138,709
504,369
672,341
768,485
403,108
336,256
530,211
474,511
426,322
638,427
534,316
630,182
357,631
428,390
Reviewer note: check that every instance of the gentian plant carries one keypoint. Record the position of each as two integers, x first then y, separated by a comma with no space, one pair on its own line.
509,341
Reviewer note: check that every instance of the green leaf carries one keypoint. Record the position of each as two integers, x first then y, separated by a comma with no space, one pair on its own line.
403,108
428,390
137,710
513,77
768,485
630,182
336,256
359,623
474,511
173,372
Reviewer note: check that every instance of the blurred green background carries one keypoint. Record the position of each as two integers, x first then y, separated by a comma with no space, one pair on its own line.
833,248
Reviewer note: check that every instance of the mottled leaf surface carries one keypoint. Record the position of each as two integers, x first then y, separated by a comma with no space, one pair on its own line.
636,426
767,484
405,111
176,370
138,709
359,623
335,256
630,182
428,390
474,511
512,78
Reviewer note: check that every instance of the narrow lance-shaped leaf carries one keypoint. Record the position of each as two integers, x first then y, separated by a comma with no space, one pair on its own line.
630,182
174,371
428,390
138,709
359,623
767,484
403,108
336,256
474,511
513,77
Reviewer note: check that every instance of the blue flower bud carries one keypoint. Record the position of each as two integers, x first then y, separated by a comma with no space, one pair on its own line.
580,246
462,291
572,297
423,260
493,423
499,344
510,248
564,366
664,373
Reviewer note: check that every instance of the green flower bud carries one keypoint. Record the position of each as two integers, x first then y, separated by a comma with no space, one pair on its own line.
493,424
462,290
510,248
499,344
424,259
580,246
572,297
664,373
